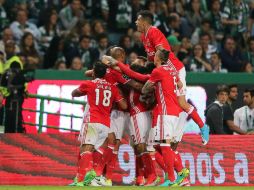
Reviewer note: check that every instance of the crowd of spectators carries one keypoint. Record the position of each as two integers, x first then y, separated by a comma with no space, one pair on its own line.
206,35
222,115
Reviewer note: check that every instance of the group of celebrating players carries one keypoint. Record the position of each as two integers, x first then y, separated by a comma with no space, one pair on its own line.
149,98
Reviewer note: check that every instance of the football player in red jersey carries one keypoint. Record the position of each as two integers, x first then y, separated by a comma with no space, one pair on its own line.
101,96
153,39
164,78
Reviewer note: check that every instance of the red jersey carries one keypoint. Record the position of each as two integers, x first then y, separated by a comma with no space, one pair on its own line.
154,38
114,77
135,104
100,96
165,79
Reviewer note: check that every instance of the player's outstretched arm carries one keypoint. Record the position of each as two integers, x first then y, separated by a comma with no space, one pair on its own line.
132,74
122,104
76,93
148,87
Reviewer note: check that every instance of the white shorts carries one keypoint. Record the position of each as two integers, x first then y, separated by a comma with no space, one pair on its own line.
93,133
182,77
119,121
166,127
179,130
140,127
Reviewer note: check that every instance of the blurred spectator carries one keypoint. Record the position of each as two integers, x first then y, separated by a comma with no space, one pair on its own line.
248,68
27,47
228,110
132,57
215,61
103,44
22,25
204,28
55,52
214,17
88,55
137,45
125,43
151,5
97,29
231,57
171,26
249,53
4,21
136,6
198,62
174,43
6,36
185,50
60,65
49,30
214,111
194,15
244,116
235,18
205,42
76,64
71,14
10,49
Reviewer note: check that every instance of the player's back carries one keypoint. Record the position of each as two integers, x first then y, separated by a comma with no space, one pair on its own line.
166,91
101,96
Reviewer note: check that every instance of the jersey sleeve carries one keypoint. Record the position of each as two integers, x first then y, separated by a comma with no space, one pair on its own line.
120,78
133,74
155,76
117,96
84,87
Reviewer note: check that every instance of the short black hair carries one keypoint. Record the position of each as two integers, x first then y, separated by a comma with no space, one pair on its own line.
250,90
216,53
146,15
163,55
150,67
232,86
84,37
138,68
99,69
222,88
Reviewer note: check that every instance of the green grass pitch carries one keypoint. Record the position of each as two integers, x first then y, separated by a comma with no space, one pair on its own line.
119,188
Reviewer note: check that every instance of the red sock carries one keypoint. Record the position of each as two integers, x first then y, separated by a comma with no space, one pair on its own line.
154,161
85,164
168,157
108,153
111,166
160,161
194,115
97,156
178,162
139,166
148,165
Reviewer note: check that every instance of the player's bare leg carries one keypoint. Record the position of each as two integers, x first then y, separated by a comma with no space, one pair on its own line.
196,118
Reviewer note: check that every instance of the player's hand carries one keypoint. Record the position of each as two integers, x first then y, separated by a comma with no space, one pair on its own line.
108,60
